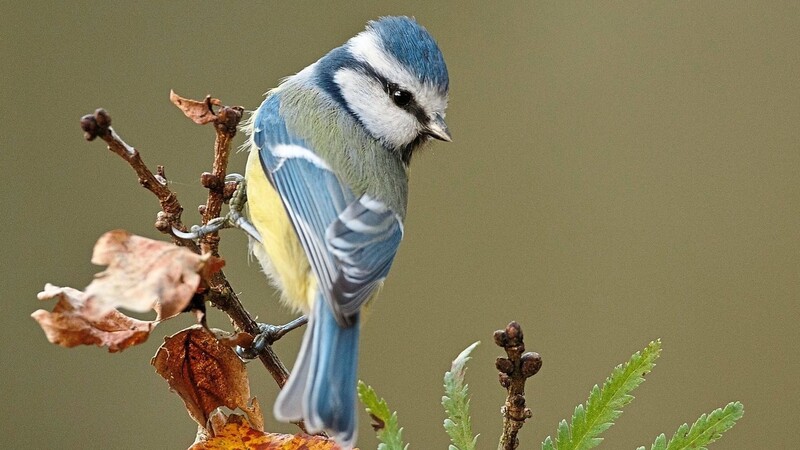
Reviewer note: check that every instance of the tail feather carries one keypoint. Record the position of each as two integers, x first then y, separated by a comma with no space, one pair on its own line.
288,406
322,387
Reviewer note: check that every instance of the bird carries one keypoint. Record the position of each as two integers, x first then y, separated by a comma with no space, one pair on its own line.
327,190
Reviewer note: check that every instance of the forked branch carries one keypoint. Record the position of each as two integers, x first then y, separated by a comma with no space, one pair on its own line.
225,121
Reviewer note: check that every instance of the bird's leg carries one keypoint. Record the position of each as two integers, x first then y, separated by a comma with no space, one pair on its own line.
236,206
234,218
268,335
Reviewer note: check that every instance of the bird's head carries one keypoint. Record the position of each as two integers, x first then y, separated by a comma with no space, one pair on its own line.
393,79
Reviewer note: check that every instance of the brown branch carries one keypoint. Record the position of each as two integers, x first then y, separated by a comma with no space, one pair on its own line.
225,122
99,125
222,296
514,371
220,293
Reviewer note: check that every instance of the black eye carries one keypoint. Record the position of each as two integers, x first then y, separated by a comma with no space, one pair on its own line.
400,97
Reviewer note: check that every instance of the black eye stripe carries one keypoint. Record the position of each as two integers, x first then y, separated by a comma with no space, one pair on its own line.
409,104
412,107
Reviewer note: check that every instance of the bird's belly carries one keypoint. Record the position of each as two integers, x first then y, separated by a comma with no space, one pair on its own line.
280,254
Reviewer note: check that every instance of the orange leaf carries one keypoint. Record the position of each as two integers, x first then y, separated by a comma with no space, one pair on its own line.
235,433
206,374
199,112
145,274
77,320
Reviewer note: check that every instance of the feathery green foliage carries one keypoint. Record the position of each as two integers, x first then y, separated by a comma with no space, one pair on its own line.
390,435
603,406
707,429
456,403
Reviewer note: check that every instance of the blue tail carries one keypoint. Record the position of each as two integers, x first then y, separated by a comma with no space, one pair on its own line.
322,387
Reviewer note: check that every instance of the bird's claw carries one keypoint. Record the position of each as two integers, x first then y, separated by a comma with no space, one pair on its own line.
198,231
234,218
267,335
237,177
260,342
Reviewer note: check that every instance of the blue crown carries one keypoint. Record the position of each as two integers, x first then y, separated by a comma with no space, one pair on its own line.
411,44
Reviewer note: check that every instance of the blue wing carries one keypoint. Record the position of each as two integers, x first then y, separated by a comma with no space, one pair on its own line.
350,241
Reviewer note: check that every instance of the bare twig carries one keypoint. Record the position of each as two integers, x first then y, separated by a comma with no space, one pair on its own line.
99,125
220,293
514,370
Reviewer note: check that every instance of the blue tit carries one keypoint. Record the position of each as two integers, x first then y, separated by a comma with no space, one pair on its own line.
327,187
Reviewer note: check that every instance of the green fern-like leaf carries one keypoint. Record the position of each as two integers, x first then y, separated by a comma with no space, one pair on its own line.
659,444
390,435
707,429
456,403
604,404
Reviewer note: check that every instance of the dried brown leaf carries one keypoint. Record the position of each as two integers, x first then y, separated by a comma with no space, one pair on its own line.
199,112
145,274
206,374
77,320
240,339
235,433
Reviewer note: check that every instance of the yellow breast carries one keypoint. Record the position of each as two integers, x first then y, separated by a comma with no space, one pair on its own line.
280,253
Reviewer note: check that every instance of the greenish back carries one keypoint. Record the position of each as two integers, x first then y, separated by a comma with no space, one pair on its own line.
360,160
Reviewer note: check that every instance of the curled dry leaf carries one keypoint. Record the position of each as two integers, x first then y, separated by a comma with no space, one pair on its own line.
199,112
235,433
206,374
145,274
78,320
242,339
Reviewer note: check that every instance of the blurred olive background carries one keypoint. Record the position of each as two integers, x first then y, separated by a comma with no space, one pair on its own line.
621,172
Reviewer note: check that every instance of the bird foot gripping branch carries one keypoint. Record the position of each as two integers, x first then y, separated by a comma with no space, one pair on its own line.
234,218
268,335
221,189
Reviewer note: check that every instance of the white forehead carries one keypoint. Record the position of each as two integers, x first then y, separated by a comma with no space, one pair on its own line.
367,47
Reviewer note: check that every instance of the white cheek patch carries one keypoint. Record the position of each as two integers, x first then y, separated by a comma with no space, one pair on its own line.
369,101
366,47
